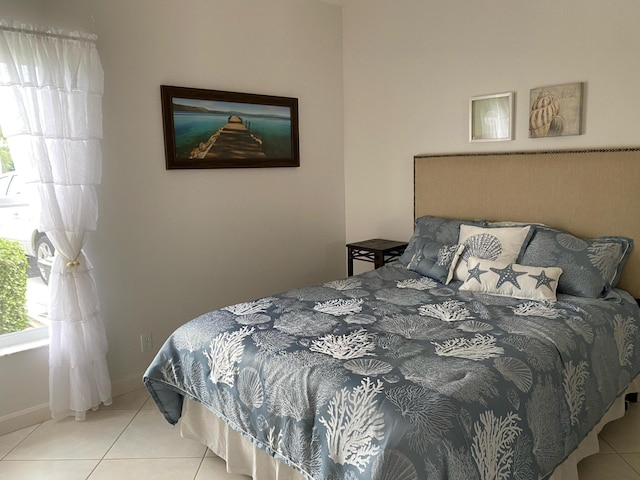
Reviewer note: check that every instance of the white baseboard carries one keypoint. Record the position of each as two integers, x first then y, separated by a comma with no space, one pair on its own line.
40,413
127,386
24,418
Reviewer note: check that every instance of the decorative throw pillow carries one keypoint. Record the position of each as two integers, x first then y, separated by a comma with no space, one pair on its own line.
503,244
437,229
591,266
512,280
435,260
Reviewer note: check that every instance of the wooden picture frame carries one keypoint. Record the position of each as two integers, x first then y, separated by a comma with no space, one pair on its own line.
218,129
491,118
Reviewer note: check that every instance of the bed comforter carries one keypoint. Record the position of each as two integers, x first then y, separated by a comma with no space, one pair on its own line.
391,375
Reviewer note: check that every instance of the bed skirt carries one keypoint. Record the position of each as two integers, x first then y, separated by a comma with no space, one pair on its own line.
242,457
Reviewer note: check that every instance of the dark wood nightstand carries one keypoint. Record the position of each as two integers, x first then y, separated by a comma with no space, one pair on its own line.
377,251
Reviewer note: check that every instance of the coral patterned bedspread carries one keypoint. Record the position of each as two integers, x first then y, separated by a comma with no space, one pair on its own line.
390,375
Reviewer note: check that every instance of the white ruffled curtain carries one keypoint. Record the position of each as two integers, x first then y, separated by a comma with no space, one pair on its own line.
51,86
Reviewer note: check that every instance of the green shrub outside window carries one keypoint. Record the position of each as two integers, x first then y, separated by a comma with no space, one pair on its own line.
13,294
6,163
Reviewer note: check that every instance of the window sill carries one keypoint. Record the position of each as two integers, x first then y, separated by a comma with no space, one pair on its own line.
16,342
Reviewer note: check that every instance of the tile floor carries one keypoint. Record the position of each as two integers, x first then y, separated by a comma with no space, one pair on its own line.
131,440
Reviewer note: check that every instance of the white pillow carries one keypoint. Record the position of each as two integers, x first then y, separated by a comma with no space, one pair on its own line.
498,244
512,280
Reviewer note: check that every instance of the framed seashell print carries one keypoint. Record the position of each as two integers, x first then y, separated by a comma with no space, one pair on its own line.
491,118
556,110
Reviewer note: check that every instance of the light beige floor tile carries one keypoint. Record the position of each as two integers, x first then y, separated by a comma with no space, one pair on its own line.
604,446
71,440
215,467
130,401
606,466
157,469
632,459
150,405
150,436
46,469
622,434
9,441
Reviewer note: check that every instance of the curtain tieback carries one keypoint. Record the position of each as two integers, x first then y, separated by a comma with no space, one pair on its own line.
71,263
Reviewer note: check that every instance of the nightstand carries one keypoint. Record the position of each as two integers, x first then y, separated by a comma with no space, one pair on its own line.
377,251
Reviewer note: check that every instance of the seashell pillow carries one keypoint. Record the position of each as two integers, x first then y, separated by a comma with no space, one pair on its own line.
512,280
435,260
504,244
591,266
437,229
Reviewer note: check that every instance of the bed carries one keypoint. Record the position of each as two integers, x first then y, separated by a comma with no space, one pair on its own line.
497,347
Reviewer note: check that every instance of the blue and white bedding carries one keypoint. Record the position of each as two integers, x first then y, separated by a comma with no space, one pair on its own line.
391,375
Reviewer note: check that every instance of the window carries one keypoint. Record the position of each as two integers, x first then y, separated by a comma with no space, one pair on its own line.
18,223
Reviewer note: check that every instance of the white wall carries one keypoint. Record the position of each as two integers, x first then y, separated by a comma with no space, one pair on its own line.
30,11
410,67
174,244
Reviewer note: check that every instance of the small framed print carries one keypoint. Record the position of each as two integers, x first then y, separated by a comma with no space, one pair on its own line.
556,110
491,118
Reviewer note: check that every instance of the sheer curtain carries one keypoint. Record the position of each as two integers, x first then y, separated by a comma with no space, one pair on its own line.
51,86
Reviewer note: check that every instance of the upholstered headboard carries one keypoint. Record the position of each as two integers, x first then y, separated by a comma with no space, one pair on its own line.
589,193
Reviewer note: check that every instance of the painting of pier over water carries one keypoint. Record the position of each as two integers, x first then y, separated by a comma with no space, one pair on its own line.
215,129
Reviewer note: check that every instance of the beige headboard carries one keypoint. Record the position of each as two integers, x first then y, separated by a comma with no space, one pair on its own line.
589,193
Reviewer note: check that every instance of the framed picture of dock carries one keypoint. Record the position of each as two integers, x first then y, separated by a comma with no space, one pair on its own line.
216,129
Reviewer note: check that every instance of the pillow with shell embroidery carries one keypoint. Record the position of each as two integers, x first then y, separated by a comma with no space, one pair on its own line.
502,244
512,280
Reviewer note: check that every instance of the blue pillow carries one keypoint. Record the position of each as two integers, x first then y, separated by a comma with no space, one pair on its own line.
590,267
435,260
443,230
